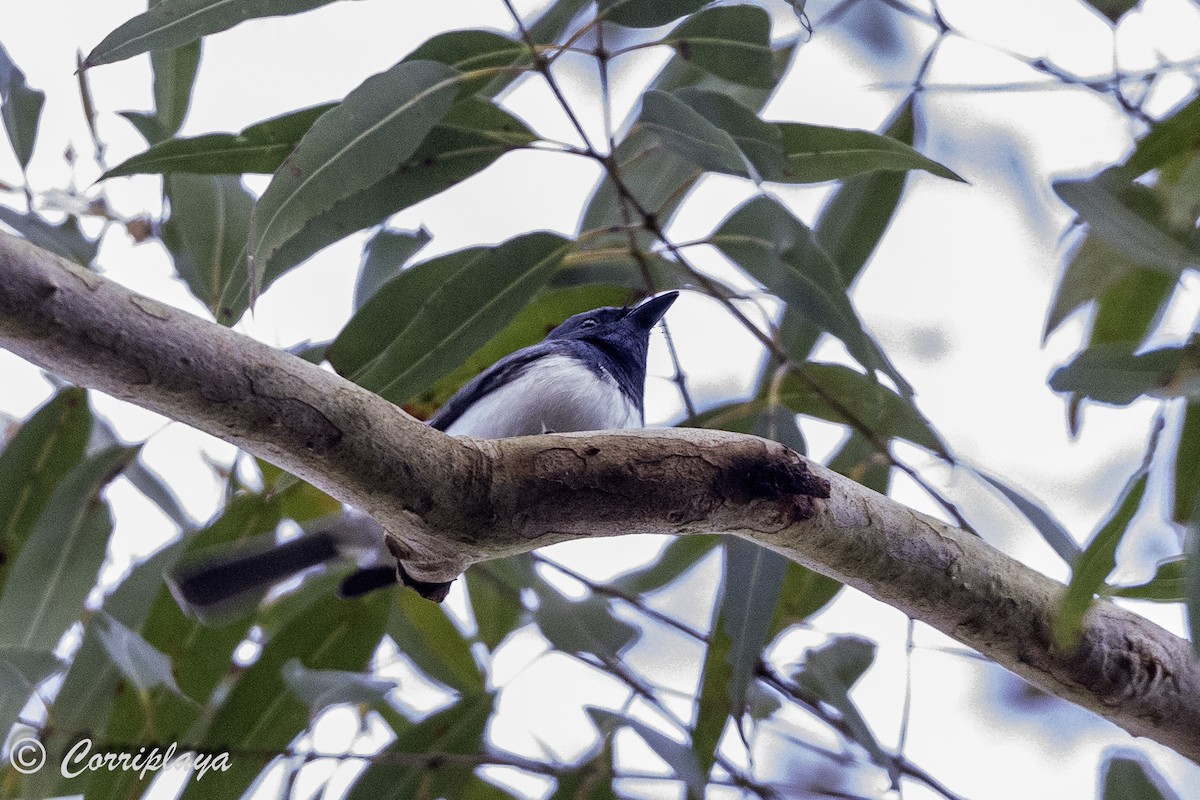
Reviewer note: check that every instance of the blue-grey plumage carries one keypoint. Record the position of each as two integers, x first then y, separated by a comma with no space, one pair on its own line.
588,374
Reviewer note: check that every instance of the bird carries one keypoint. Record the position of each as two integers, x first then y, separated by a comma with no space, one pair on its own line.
589,373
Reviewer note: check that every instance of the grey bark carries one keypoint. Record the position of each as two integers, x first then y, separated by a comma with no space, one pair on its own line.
447,503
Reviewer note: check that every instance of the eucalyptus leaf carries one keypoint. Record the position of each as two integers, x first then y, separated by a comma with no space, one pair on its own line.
733,42
754,579
66,239
321,688
21,109
1167,585
679,756
171,23
646,13
144,665
820,153
383,257
1051,530
691,136
378,126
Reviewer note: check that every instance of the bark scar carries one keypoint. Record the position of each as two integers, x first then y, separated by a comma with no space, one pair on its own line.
788,482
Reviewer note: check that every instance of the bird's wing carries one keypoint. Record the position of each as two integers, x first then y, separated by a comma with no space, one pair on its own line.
502,372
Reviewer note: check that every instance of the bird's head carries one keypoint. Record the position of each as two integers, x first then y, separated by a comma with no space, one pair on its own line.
616,326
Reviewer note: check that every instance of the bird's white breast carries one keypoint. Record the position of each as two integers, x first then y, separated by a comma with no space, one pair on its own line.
556,393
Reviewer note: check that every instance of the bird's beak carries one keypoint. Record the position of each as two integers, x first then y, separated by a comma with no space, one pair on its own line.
647,315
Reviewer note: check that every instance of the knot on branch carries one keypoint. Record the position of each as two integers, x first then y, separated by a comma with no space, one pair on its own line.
789,481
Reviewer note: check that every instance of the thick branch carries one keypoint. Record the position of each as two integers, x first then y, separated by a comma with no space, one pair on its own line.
447,503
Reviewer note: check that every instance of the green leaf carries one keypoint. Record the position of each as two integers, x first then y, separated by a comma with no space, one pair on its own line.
1094,268
1131,308
321,688
383,258
862,461
174,76
1043,521
733,42
172,23
646,13
712,704
65,239
1187,465
690,135
206,235
1114,374
850,226
471,50
802,594
378,126
21,109
425,633
1132,778
829,673
818,153
93,683
590,780
261,147
260,713
583,626
678,557
1168,138
1130,217
760,142
679,756
458,729
1113,9
21,670
56,569
1090,570
778,423
144,665
422,324
753,581
781,252
471,137
1191,578
494,588
41,452
1167,585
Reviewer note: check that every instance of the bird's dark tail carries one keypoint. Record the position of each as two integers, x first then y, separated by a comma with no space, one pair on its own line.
210,586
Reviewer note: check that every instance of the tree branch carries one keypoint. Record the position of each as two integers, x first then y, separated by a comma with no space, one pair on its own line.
447,503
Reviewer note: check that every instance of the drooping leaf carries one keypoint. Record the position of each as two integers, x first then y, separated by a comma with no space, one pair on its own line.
1168,138
471,137
206,236
733,42
21,670
583,626
1167,585
1090,570
1129,216
780,251
174,76
378,126
679,756
321,688
862,461
422,324
760,142
471,50
456,730
777,422
1187,465
56,569
44,449
383,258
712,704
1130,309
1113,373
172,23
494,588
142,664
829,673
802,594
65,239
261,147
647,13
690,135
21,109
754,579
425,633
1132,778
820,153
260,712
1043,521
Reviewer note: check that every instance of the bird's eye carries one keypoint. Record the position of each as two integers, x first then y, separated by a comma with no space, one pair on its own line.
588,323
